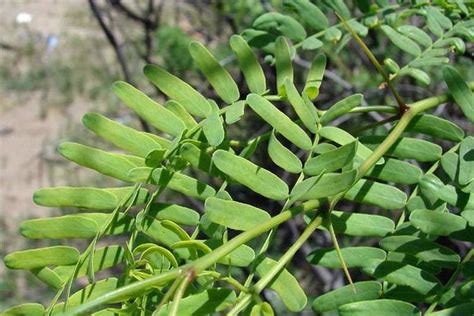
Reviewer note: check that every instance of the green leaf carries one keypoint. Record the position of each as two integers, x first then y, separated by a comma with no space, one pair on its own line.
121,136
433,188
458,310
407,148
206,302
155,114
436,223
178,90
315,76
181,112
308,13
199,158
326,185
234,112
173,212
262,309
417,74
249,65
49,277
30,309
406,275
250,175
305,110
401,41
423,249
283,64
235,215
429,61
183,184
105,257
331,160
359,224
241,256
41,257
360,291
449,163
218,77
341,137
120,223
436,127
282,156
213,129
69,226
416,34
311,43
285,285
333,34
161,233
341,107
379,307
460,91
279,121
101,161
466,161
397,171
375,193
353,257
277,23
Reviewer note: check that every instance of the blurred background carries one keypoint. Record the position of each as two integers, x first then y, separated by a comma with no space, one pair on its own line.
59,58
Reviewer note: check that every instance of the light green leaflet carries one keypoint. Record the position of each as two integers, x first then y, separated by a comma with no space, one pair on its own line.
341,107
305,110
277,23
353,257
69,226
401,41
49,277
429,61
331,160
98,160
285,285
252,176
279,121
121,136
283,64
249,64
178,90
199,158
391,65
235,215
174,212
155,114
341,137
311,43
405,275
416,34
217,76
323,186
241,256
384,307
165,235
417,74
436,223
204,303
407,148
309,13
398,171
41,257
262,309
213,129
433,189
181,112
466,161
183,184
315,76
436,127
449,163
375,193
31,309
423,249
461,309
359,224
282,156
460,91
364,291
122,223
105,257
234,112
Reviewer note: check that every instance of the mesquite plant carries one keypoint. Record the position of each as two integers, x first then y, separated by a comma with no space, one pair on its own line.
177,261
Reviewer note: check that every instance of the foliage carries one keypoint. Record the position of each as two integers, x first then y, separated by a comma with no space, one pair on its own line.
414,198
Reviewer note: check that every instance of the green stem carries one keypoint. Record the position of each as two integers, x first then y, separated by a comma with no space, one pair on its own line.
279,266
178,295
